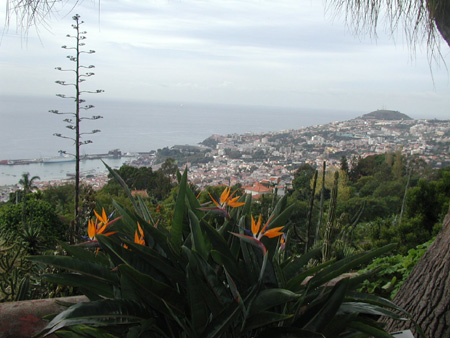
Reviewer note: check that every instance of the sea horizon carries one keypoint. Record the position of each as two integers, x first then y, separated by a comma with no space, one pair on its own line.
27,128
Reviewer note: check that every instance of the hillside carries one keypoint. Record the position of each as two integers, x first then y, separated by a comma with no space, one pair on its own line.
385,115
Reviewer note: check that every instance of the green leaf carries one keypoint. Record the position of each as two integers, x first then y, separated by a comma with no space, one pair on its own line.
288,332
196,293
154,293
83,254
347,264
129,220
77,331
319,322
222,322
229,224
98,313
146,215
298,264
115,250
295,284
281,204
228,263
338,326
252,241
269,298
94,285
200,244
176,232
96,271
160,240
279,220
215,292
194,204
375,300
369,329
282,218
155,260
370,309
217,240
235,292
264,319
124,186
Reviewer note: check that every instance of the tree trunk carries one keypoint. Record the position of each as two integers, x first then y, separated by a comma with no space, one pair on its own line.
442,20
426,292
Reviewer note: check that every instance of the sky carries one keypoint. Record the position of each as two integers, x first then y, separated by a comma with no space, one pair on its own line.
290,53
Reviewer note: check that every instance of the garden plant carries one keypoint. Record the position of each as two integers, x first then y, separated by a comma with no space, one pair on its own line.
214,271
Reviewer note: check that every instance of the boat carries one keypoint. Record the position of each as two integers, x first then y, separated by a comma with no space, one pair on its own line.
58,159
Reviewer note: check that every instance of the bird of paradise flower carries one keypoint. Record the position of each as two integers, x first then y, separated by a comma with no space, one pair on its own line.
101,223
226,200
139,237
258,233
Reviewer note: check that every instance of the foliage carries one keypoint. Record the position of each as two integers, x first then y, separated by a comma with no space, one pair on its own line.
391,200
21,279
301,183
392,271
62,199
429,200
157,183
422,21
196,280
14,279
408,234
39,215
183,155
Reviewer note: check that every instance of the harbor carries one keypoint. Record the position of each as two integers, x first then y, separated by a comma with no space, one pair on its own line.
62,168
63,158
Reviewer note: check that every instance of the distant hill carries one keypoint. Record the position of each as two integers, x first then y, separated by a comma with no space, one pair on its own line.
385,115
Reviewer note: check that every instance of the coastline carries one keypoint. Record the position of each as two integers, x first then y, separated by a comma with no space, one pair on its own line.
59,171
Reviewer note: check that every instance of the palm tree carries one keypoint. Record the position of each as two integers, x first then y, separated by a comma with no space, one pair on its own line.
27,183
422,19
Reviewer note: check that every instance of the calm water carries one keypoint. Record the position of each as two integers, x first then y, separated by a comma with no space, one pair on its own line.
10,175
27,128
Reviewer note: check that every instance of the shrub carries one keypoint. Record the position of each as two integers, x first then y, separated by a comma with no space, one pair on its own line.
38,215
193,279
392,271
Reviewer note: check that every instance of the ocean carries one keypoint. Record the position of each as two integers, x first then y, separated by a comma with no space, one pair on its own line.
27,128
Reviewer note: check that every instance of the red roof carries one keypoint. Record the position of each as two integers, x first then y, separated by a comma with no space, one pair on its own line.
257,187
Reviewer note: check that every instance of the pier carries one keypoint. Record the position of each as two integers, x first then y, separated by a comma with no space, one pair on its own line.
115,154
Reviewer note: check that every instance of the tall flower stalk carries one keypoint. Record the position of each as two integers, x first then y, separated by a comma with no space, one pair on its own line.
74,122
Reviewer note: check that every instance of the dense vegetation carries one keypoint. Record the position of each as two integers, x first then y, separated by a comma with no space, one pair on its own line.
338,214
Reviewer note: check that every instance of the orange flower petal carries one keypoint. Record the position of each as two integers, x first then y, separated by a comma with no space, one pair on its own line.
139,240
234,204
274,232
97,215
136,237
224,196
215,202
254,228
140,230
101,228
266,225
104,216
92,227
